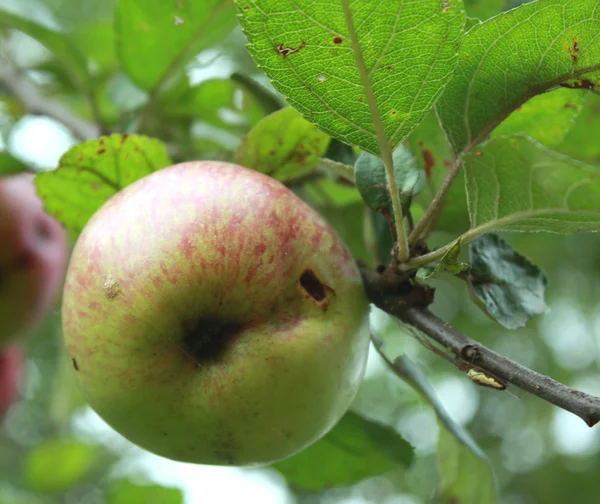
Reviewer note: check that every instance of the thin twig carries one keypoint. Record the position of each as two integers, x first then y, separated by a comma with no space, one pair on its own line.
35,103
472,353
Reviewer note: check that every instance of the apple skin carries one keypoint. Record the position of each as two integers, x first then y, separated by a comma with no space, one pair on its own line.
213,317
33,257
11,369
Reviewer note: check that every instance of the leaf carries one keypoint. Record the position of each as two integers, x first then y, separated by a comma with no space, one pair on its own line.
355,449
546,118
412,374
510,58
581,142
483,9
155,39
206,102
283,145
519,185
91,172
371,179
434,155
127,492
10,165
58,465
466,479
408,48
510,287
57,43
449,263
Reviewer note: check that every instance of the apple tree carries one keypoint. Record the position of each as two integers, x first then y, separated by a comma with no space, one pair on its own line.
261,195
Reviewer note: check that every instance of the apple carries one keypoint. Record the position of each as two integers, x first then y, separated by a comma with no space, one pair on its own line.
11,368
213,317
33,256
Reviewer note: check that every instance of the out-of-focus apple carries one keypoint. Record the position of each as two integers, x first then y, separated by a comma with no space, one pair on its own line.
11,370
33,255
213,317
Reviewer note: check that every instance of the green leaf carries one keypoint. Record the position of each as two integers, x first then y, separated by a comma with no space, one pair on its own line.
283,145
408,48
155,39
10,165
58,465
466,479
57,43
206,101
435,156
546,118
91,172
450,263
509,286
483,9
371,179
581,142
126,492
517,184
355,449
96,39
510,58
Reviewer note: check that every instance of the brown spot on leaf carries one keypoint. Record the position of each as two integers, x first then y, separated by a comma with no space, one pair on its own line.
101,151
75,365
337,40
478,154
429,161
287,51
272,152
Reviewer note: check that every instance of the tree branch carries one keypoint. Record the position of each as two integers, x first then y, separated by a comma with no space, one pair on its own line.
469,353
35,103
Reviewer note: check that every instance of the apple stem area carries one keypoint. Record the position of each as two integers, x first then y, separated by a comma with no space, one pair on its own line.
409,302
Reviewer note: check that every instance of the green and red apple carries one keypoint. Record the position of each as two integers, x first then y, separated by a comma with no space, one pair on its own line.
33,256
213,317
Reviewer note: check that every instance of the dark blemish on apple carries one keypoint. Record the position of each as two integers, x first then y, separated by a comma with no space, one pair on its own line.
314,288
287,51
75,365
207,340
337,40
42,230
100,151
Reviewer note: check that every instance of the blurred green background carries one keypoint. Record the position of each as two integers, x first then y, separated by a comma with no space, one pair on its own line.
53,449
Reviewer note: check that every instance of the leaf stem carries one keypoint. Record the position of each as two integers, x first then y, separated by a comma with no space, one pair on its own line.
384,146
337,169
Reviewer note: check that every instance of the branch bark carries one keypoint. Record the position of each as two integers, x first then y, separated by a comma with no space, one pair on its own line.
35,103
469,353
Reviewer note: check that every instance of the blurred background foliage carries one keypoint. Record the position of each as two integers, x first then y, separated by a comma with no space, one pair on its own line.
53,449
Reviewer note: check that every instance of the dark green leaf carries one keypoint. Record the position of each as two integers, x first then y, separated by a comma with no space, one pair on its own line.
450,263
371,180
155,39
10,165
409,50
57,465
509,286
355,449
283,145
126,492
517,184
57,43
90,173
508,59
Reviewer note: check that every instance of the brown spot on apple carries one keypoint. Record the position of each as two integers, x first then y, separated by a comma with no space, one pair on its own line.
111,287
